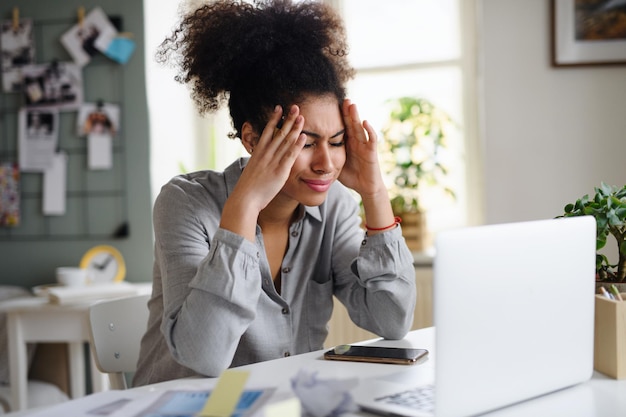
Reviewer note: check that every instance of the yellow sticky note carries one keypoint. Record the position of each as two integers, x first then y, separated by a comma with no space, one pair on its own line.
285,408
225,396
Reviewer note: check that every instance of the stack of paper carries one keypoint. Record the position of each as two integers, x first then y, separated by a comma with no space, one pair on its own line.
74,294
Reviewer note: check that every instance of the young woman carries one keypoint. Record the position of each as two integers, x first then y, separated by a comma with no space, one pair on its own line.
247,260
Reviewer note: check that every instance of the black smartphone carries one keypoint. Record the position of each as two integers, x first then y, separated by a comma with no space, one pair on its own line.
378,354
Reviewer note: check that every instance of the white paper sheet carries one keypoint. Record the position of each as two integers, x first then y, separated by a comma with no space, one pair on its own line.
108,403
68,294
55,185
100,151
135,402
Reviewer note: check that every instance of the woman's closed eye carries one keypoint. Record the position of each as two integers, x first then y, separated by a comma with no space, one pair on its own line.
337,140
337,144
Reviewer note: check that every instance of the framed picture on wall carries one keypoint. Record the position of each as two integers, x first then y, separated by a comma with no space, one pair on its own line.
588,32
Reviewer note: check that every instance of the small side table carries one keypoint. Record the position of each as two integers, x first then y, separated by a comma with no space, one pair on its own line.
35,319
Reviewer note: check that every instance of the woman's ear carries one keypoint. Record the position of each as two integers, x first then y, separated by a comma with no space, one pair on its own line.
249,137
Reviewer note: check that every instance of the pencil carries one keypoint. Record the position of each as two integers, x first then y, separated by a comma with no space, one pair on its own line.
615,293
605,293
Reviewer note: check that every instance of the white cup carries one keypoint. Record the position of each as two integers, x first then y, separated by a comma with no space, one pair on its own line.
71,276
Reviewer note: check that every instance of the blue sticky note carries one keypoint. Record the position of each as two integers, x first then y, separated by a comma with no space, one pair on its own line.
120,49
191,403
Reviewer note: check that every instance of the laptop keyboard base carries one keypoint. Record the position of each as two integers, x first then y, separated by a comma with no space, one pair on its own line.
419,398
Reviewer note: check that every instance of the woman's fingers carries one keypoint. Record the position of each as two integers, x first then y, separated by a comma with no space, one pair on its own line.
361,131
282,129
271,126
371,133
291,128
347,120
277,149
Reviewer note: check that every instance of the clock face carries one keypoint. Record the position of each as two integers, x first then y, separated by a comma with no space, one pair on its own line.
103,264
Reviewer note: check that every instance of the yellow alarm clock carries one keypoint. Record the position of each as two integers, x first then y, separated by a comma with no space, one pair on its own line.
104,264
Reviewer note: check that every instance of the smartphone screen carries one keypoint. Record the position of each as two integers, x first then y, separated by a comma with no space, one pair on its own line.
378,354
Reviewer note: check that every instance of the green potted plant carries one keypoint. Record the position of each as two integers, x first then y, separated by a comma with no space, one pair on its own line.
608,206
415,137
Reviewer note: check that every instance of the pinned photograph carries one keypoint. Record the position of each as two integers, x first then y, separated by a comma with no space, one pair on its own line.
18,49
39,124
99,118
38,138
55,84
99,122
89,36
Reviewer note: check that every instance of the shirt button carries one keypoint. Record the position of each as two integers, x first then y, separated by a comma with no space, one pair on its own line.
364,242
286,269
294,234
266,282
287,354
258,255
285,310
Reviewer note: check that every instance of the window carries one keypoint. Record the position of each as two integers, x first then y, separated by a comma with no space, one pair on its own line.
414,48
400,48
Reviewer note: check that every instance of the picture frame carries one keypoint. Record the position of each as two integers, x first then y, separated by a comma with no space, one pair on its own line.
576,42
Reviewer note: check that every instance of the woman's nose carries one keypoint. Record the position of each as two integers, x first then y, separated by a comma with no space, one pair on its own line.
322,160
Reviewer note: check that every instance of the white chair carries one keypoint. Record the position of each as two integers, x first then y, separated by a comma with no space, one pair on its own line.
116,329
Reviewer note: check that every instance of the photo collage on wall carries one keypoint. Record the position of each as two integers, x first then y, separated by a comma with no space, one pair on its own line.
48,88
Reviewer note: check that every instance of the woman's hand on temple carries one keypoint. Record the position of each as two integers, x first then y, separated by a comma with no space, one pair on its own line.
361,171
267,171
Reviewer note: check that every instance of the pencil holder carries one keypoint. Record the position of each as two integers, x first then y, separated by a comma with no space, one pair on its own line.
610,337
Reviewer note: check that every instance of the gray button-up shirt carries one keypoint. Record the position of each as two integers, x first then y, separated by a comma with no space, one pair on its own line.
214,304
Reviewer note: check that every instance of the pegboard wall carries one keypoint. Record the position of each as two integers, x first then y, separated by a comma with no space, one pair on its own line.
96,200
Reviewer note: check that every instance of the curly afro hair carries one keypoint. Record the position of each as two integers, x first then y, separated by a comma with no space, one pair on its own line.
255,56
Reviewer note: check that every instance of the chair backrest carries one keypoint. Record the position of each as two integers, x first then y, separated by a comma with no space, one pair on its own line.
116,328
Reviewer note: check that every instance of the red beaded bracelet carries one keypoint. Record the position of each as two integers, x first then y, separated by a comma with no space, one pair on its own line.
396,221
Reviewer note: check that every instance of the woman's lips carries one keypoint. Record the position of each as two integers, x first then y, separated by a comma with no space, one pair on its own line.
318,185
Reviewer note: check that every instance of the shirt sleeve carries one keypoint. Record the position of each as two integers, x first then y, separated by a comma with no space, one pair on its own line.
378,286
211,284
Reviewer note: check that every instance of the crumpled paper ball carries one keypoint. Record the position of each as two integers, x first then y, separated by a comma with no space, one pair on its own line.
324,397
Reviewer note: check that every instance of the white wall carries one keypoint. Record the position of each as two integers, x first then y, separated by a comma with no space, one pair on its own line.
549,134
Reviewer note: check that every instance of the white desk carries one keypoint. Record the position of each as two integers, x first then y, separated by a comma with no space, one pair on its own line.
599,397
34,319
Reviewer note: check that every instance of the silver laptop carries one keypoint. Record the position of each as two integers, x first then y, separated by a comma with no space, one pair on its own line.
513,311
